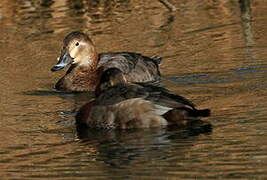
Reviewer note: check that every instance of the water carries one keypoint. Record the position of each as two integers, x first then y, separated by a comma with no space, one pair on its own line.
214,53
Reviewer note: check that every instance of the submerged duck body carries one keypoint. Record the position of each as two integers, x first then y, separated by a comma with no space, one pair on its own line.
87,66
138,105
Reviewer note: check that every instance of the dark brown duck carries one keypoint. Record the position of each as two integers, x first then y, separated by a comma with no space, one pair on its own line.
138,105
87,66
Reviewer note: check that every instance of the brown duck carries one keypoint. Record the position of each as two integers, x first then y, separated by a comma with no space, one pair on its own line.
87,66
138,105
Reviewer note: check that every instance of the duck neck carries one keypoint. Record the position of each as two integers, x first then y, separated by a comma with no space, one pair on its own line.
94,61
91,61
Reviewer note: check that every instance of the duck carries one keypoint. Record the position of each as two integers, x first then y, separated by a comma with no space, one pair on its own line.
87,66
138,105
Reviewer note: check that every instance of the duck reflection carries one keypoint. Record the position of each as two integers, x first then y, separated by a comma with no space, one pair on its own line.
192,129
120,148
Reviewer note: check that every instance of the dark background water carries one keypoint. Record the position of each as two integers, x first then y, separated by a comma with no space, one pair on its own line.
214,53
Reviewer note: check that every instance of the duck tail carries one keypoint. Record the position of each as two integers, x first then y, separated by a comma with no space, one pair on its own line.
195,113
201,113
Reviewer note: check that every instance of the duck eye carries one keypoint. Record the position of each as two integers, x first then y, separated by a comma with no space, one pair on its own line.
77,44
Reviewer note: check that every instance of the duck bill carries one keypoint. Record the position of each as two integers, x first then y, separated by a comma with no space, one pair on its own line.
64,60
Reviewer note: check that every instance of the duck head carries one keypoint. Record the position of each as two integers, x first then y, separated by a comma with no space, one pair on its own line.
78,49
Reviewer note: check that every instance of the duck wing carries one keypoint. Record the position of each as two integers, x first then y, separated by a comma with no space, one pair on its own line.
136,66
123,61
155,94
161,96
172,105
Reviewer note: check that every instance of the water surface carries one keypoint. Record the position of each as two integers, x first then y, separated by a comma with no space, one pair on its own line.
214,53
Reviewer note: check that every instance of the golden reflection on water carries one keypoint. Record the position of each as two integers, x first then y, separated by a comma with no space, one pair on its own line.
214,53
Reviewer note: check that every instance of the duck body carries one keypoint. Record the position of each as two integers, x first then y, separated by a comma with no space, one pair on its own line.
131,67
138,105
87,67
